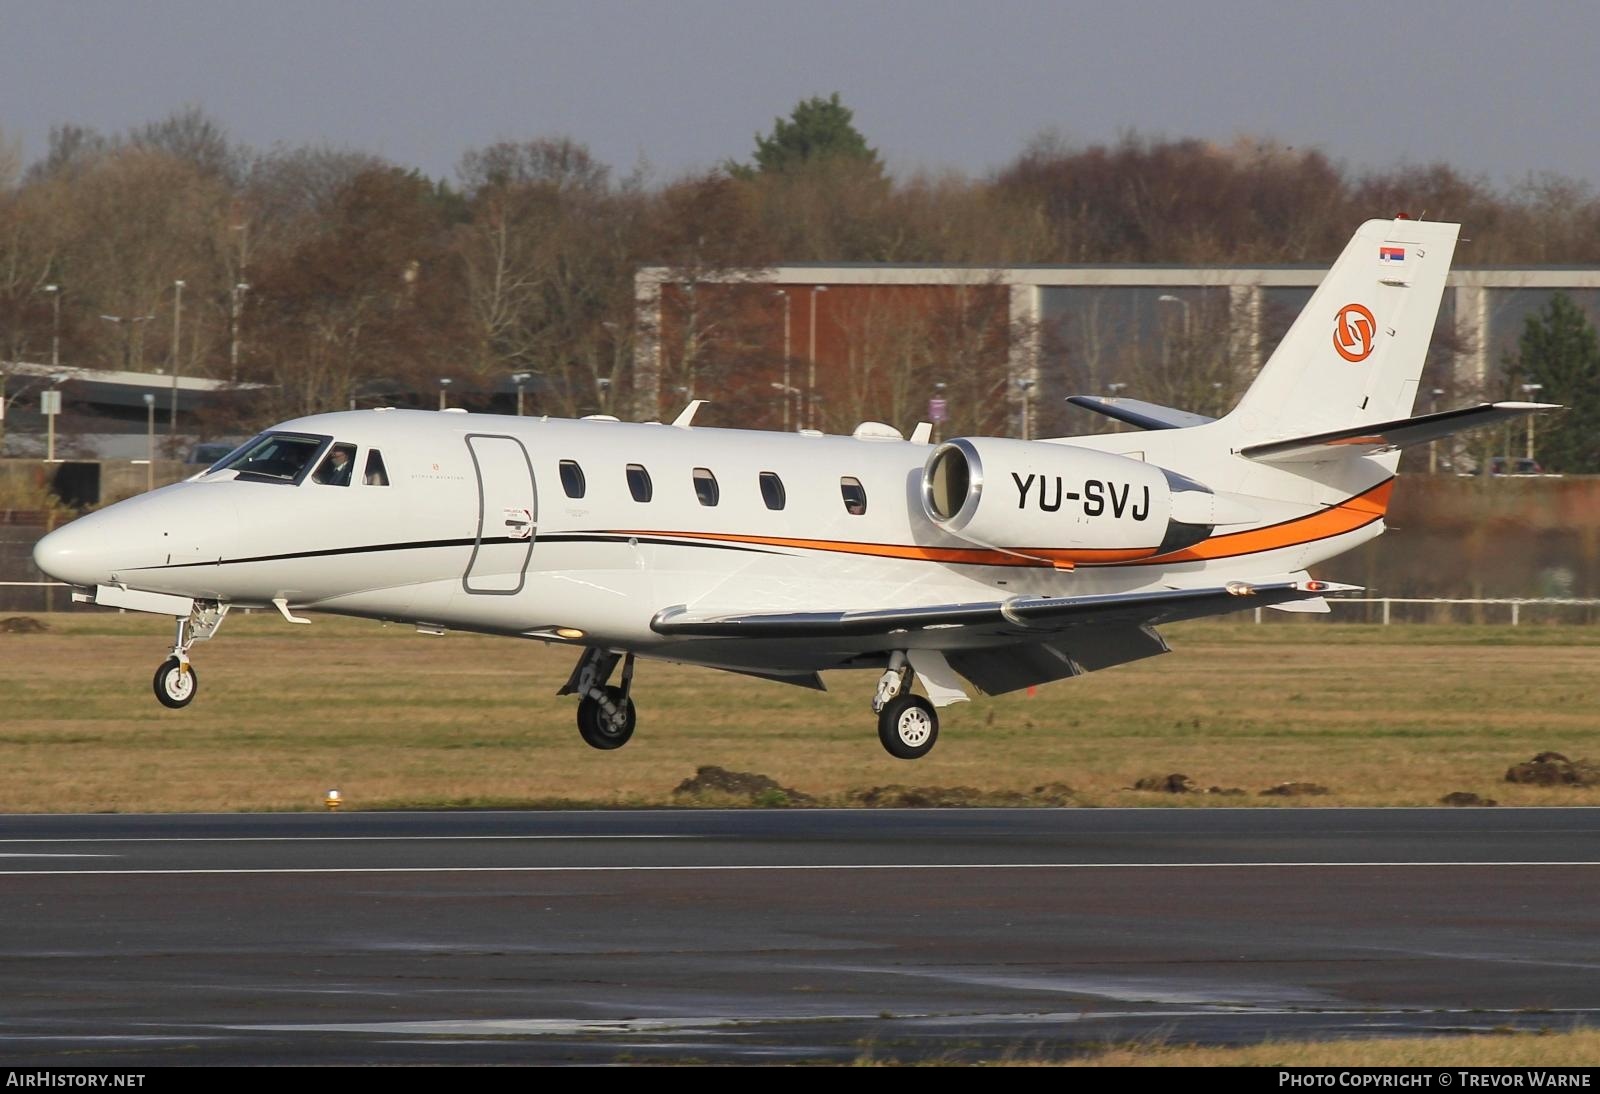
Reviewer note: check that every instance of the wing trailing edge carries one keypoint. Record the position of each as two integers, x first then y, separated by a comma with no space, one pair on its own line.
1016,616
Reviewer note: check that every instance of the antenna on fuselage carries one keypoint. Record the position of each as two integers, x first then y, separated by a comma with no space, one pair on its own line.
686,415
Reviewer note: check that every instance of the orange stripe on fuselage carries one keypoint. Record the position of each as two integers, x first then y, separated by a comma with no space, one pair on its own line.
969,556
1347,516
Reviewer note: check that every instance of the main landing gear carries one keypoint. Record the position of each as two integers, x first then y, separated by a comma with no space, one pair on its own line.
606,715
908,726
176,682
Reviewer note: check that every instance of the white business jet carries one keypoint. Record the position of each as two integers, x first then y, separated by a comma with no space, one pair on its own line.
982,562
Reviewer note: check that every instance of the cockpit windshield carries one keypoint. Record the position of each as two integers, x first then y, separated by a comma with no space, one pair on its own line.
274,457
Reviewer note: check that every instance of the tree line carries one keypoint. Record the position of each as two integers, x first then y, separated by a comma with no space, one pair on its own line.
338,278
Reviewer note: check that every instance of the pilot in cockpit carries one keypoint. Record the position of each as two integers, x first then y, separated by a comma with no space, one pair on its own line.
335,470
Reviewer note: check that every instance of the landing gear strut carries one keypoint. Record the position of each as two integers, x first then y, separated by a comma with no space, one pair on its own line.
606,715
176,682
908,726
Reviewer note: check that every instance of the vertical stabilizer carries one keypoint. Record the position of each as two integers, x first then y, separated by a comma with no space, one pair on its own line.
1355,354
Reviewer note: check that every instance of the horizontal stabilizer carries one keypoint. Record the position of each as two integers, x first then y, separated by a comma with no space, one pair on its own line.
1137,412
1387,436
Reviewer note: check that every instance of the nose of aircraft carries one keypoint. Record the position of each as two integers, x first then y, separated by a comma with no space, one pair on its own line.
78,553
129,541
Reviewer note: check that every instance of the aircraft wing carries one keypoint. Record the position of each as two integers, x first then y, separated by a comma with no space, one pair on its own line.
1386,436
1004,645
1137,412
1015,616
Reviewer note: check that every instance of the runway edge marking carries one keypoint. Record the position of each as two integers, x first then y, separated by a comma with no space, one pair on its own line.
231,871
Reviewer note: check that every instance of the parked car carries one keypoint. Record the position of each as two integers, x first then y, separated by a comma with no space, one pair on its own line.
1508,466
1514,465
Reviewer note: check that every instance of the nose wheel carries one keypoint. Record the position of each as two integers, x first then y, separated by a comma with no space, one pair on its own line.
176,683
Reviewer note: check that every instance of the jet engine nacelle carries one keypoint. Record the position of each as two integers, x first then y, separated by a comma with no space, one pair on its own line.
1056,502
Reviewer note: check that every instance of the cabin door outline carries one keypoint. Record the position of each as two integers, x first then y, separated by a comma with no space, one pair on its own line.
508,512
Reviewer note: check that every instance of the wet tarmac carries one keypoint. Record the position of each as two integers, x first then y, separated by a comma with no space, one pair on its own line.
782,936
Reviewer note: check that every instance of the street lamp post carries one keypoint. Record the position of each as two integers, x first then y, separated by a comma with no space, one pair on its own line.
811,368
520,378
1530,391
127,339
1166,343
177,331
55,329
149,442
444,386
1433,446
787,390
239,289
1168,298
1026,387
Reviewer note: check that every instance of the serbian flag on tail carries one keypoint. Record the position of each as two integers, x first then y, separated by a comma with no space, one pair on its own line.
1391,254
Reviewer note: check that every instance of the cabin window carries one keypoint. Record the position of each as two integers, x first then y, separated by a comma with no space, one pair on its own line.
273,457
855,495
572,479
639,482
336,466
772,490
705,486
375,475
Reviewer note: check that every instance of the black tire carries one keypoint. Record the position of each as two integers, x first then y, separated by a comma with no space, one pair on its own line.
908,727
600,732
175,685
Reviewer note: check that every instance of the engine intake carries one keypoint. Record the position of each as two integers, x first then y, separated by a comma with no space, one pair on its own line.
1056,502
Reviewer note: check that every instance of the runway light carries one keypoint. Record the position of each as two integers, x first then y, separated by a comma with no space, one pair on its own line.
333,800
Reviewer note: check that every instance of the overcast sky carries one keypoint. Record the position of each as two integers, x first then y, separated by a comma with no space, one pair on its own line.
1492,88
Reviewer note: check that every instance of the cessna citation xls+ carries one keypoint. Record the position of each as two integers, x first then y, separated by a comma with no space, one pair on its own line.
981,561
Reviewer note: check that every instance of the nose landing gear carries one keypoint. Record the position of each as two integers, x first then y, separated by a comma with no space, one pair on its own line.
176,682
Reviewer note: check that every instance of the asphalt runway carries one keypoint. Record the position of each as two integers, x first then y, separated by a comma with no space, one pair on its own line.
782,936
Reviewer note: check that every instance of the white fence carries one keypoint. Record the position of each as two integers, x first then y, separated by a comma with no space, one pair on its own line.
1437,609
1443,609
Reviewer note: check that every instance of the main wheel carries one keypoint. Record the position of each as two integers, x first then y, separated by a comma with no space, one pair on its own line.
600,731
908,727
175,683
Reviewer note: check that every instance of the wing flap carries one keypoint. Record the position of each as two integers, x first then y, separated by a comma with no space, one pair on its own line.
998,670
1387,436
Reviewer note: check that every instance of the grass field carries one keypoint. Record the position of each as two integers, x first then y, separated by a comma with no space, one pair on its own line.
1577,1048
1380,716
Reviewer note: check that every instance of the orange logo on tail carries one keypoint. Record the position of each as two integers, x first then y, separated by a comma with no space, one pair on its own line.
1353,331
